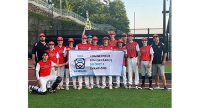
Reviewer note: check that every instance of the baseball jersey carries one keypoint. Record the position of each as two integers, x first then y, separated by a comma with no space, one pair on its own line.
145,52
53,55
66,54
95,47
112,43
81,46
122,50
44,68
61,54
132,48
159,51
106,47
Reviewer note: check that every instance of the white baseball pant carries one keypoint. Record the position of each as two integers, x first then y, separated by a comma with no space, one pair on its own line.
132,65
104,80
145,69
43,81
97,79
67,78
86,80
53,72
123,75
60,72
91,80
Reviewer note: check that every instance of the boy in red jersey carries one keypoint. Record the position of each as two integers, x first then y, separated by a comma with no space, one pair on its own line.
83,46
106,46
94,46
120,47
43,70
89,39
53,56
60,49
66,54
146,62
112,42
132,60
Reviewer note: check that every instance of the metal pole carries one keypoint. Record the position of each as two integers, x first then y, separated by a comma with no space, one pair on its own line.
170,30
134,22
164,19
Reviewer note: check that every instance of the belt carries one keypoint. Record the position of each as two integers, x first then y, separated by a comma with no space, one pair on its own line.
144,60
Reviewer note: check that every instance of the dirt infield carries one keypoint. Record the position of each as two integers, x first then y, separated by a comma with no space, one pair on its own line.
32,78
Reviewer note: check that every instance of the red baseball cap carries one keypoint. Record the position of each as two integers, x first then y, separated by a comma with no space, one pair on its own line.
84,36
41,34
112,32
60,38
124,34
106,38
144,38
120,40
95,37
51,43
155,35
70,40
130,34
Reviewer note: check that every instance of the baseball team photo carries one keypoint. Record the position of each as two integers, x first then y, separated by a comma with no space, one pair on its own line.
99,53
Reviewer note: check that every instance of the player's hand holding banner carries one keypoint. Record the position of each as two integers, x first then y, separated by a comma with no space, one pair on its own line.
95,62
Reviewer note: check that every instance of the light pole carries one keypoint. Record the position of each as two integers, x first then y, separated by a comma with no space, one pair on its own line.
134,22
60,8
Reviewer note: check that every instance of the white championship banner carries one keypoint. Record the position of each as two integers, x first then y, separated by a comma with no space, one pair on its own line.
95,63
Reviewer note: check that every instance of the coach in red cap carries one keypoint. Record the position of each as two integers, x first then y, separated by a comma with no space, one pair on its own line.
38,49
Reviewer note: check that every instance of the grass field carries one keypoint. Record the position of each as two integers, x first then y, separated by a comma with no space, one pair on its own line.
102,98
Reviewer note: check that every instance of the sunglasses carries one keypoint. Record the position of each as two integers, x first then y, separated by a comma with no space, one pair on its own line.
42,36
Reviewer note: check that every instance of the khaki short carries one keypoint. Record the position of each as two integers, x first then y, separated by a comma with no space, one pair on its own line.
158,69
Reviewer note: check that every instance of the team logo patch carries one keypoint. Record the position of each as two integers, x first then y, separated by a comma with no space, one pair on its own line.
80,63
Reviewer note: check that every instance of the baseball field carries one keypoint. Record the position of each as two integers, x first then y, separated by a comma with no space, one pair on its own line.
101,98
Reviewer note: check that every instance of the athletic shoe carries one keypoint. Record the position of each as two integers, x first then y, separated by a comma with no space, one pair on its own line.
103,87
156,87
74,87
142,86
87,87
136,86
166,88
110,86
98,86
58,88
79,88
61,87
150,87
67,88
130,86
53,91
91,86
125,86
117,86
30,88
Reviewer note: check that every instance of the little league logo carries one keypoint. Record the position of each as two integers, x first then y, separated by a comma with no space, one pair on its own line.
80,63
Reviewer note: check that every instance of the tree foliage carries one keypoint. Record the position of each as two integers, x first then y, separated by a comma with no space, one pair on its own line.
110,12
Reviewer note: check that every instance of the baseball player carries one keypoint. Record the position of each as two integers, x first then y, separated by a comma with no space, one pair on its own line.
53,56
120,47
60,72
106,46
89,39
146,57
132,60
124,38
112,42
94,46
43,70
66,54
83,46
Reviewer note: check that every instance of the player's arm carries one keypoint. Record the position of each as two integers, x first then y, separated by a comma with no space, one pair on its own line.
65,52
152,55
138,50
37,74
33,54
165,54
84,31
58,65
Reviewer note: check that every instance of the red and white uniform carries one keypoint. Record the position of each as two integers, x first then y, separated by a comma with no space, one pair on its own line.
145,55
112,43
95,47
43,70
106,47
53,56
132,48
124,69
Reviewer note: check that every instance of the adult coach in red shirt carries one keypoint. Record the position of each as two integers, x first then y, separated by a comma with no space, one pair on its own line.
66,54
146,56
83,46
112,42
132,60
60,49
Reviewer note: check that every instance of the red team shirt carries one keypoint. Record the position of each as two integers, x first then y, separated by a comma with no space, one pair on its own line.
95,47
81,46
52,55
132,48
112,43
122,50
145,52
106,47
67,56
61,54
45,68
